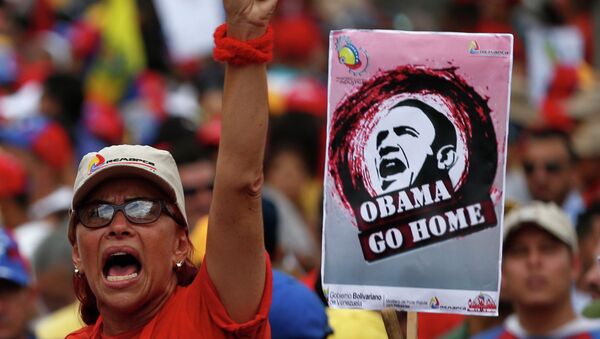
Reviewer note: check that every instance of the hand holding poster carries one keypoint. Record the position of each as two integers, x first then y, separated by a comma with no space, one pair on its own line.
415,170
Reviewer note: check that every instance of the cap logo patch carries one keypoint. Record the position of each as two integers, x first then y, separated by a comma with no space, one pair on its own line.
95,163
98,161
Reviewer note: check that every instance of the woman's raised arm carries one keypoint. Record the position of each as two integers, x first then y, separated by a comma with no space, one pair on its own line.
235,255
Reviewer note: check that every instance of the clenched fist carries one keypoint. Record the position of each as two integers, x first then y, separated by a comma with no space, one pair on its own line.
248,19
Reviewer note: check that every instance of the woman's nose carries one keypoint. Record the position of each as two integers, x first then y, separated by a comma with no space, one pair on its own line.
119,224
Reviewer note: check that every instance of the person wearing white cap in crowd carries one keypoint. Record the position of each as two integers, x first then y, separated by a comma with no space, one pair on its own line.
131,250
550,163
539,266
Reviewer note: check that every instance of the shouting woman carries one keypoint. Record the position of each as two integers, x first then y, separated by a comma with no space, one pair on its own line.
131,251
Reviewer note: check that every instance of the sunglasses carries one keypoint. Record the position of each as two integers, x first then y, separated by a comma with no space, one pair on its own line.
189,191
551,167
138,211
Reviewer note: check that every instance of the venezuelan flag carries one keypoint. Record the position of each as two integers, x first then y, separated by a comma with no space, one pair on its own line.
121,55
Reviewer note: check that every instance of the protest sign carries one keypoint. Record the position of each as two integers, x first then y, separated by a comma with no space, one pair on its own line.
547,49
416,147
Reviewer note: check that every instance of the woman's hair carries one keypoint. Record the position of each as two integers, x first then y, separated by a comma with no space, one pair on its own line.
87,308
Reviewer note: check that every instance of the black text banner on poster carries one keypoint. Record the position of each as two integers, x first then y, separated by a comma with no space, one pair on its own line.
431,227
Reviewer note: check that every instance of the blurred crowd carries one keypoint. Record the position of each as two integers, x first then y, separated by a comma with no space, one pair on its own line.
77,75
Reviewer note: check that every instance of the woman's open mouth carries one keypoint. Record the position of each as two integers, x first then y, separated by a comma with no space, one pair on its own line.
121,266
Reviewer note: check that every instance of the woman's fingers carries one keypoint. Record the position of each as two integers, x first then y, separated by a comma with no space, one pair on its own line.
247,19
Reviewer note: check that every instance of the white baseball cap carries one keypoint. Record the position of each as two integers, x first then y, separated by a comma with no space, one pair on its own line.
146,162
547,216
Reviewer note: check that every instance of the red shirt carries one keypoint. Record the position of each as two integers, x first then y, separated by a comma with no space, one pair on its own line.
195,311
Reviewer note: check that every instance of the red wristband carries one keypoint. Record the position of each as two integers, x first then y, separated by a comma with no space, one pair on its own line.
237,52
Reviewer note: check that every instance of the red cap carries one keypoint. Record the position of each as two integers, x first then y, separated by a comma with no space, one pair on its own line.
52,145
307,95
84,39
104,121
209,132
13,176
297,37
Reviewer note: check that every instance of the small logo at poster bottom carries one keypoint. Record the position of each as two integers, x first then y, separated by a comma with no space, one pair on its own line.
434,303
483,303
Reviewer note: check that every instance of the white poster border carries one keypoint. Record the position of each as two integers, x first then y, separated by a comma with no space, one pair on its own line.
482,303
